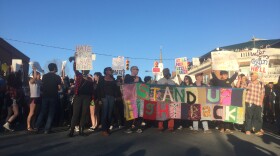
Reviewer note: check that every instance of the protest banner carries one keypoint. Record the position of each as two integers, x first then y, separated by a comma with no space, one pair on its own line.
181,65
259,62
195,62
162,102
16,64
224,60
83,57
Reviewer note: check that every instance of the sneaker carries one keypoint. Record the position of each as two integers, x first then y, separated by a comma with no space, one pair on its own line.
91,129
180,128
77,129
191,128
248,133
139,131
216,128
228,131
259,133
207,132
7,126
111,127
121,127
143,124
128,131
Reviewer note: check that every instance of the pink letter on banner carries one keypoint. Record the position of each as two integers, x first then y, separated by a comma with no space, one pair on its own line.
162,111
175,110
225,98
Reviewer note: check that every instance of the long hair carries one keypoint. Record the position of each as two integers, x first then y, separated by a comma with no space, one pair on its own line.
189,78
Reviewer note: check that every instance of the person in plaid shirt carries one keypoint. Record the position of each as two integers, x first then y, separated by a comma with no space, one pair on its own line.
254,102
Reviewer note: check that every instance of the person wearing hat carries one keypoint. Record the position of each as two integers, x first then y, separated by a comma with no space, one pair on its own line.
198,83
224,82
166,80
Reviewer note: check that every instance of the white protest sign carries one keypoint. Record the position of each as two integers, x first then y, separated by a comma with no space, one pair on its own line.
36,65
63,65
118,63
119,72
83,57
224,60
93,57
195,61
270,78
16,64
259,62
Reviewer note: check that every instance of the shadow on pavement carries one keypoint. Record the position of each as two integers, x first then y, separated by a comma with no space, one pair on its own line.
41,150
242,147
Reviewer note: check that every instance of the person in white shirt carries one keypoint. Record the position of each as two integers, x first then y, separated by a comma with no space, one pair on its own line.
34,85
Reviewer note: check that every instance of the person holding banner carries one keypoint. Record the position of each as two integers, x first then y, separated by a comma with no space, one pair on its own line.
254,102
224,82
133,78
199,83
186,82
108,90
166,80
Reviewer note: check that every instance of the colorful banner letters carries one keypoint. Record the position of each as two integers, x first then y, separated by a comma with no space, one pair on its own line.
162,102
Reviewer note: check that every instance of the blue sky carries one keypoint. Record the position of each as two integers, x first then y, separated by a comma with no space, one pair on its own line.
135,28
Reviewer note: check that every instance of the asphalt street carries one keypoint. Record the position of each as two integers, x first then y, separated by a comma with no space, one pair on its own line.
150,143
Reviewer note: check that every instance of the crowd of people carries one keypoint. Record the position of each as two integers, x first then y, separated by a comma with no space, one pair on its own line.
95,101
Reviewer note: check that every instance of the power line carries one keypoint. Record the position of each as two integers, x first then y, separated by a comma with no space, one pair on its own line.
62,48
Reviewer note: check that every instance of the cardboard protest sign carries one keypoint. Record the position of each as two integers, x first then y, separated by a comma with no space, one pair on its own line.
259,62
118,63
224,60
163,102
4,67
83,57
181,65
16,64
195,62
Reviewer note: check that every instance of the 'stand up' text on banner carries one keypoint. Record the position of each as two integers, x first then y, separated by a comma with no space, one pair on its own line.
162,102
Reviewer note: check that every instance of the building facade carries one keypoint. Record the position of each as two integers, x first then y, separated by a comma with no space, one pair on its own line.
244,52
8,53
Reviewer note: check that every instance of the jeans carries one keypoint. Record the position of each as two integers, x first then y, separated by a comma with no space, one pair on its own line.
81,104
253,117
204,125
48,106
107,111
